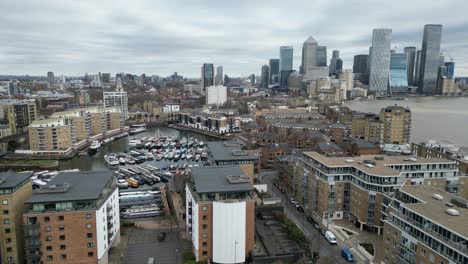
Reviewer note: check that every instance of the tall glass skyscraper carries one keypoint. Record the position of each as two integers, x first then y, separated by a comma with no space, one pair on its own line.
450,69
309,54
398,73
380,60
430,59
417,68
321,56
360,63
286,62
334,58
265,76
274,71
207,76
411,51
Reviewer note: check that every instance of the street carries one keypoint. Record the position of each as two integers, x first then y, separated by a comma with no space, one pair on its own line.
325,248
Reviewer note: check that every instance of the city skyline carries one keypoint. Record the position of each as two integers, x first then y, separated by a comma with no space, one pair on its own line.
154,38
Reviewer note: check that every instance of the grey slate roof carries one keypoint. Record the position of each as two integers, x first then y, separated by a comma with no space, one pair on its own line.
12,179
328,145
211,179
220,152
82,186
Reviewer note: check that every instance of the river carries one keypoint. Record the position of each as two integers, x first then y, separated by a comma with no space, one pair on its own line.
438,118
96,162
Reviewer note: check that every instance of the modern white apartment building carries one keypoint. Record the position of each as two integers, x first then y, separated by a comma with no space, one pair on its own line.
117,99
216,95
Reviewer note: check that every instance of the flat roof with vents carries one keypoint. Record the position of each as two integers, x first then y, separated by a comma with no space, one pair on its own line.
12,179
227,151
212,179
434,207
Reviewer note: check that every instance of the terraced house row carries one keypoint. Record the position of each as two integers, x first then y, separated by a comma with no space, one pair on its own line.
64,130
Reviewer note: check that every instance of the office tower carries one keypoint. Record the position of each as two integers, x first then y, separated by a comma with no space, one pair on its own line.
441,60
207,76
360,64
423,224
417,69
265,74
398,72
380,61
15,189
430,58
441,75
216,95
220,214
286,63
347,76
117,99
273,71
50,78
335,57
397,124
309,54
338,65
321,56
411,54
105,77
219,75
252,79
75,217
450,69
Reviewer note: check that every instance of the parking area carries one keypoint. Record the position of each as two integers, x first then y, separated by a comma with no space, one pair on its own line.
143,244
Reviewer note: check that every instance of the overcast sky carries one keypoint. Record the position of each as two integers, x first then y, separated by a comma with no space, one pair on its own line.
161,37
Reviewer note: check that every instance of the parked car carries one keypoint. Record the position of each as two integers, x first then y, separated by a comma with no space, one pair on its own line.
330,237
310,219
300,209
161,236
292,201
317,226
346,253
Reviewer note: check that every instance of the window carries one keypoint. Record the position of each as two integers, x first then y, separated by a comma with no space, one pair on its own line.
50,258
9,249
5,212
204,217
205,235
62,237
441,262
89,235
90,254
88,226
61,218
90,244
4,202
7,230
204,208
8,240
88,216
47,229
63,247
46,219
204,244
395,234
61,228
49,248
423,251
63,256
431,257
204,253
48,238
204,226
10,259
6,221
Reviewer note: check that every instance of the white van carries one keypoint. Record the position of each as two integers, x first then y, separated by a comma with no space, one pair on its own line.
330,237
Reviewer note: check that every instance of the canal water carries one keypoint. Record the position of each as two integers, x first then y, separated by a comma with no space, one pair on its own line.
438,118
96,161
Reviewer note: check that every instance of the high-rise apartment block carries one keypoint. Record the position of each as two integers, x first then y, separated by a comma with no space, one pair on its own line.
15,189
411,60
19,114
430,58
68,129
380,61
425,224
73,218
207,77
118,99
397,124
220,214
216,95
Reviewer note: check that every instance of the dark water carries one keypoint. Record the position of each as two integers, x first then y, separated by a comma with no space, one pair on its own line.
436,118
96,162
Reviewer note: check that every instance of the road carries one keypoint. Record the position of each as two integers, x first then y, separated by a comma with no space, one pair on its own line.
325,248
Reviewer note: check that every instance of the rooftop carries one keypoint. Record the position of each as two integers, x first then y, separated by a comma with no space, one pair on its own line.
226,150
380,167
435,210
12,179
72,186
211,179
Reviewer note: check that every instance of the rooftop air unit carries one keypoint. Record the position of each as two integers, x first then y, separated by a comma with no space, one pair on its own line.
452,211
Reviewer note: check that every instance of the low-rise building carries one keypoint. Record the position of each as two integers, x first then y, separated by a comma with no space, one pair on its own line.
231,153
425,225
15,189
220,213
220,122
270,152
73,218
